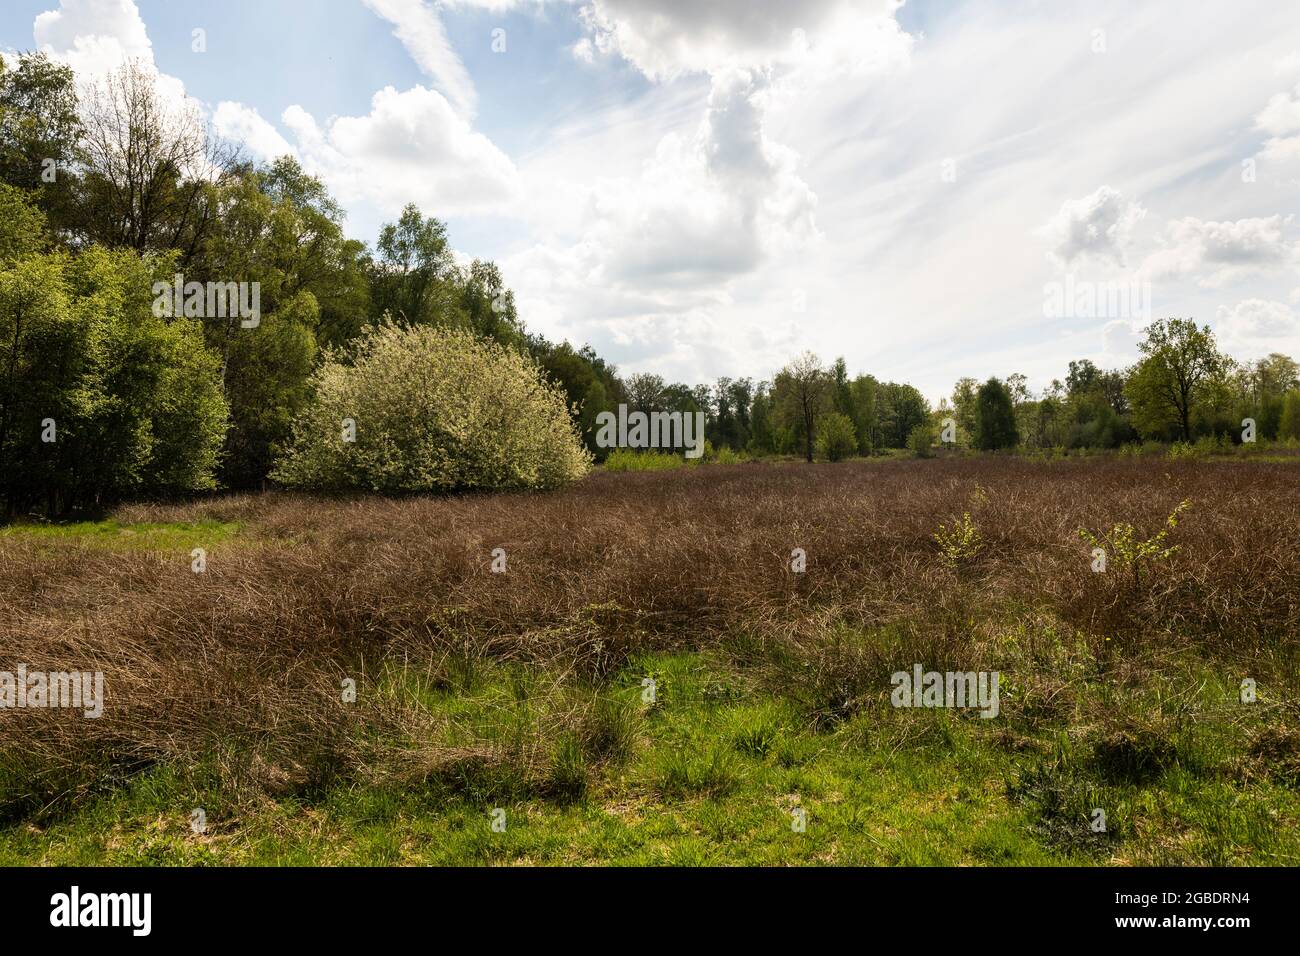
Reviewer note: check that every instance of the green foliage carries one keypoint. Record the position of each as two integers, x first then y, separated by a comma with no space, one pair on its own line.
1289,421
801,394
900,408
961,542
1132,552
837,439
630,459
434,409
21,225
38,124
132,401
995,417
1172,384
921,440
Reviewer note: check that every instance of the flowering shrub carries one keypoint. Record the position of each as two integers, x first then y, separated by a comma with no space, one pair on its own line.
426,409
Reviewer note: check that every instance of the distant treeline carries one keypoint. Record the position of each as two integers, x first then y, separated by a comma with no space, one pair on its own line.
117,190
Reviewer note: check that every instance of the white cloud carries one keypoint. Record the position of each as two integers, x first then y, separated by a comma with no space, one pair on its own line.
244,124
1281,118
1257,326
1119,343
96,37
648,259
665,41
1219,253
411,147
419,28
1098,226
1282,113
93,36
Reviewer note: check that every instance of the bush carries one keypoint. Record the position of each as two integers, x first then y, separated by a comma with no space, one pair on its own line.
426,409
921,440
728,456
836,437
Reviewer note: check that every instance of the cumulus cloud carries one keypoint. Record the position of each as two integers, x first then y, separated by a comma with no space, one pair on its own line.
411,147
651,260
93,36
1281,118
96,37
1098,226
244,124
665,41
419,28
704,209
1281,114
1219,253
1258,326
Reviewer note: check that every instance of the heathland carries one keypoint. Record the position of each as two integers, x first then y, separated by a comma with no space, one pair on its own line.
631,670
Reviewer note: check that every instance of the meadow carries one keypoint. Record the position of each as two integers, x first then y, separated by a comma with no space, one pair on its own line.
646,679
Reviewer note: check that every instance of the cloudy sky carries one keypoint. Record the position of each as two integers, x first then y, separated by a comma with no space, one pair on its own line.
705,187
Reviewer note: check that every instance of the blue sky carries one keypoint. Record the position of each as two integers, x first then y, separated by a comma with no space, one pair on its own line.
706,188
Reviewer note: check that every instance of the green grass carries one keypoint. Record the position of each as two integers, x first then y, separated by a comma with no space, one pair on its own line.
113,535
625,459
712,771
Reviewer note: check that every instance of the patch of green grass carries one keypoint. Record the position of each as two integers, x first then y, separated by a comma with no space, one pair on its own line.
113,535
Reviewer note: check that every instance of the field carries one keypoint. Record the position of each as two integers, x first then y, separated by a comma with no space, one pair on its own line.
649,682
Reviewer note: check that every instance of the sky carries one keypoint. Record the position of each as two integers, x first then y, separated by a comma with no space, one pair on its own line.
697,189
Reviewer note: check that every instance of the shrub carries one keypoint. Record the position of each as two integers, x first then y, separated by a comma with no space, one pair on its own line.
921,440
836,437
1133,552
432,409
727,456
961,542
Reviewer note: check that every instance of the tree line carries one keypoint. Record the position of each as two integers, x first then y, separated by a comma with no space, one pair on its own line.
108,189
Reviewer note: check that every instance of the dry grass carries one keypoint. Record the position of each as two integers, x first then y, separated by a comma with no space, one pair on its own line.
240,667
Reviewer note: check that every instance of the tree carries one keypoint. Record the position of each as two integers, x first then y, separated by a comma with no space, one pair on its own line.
901,409
963,403
995,417
39,129
1289,426
837,439
645,393
99,398
801,393
590,386
21,225
762,435
150,166
865,415
410,277
1167,386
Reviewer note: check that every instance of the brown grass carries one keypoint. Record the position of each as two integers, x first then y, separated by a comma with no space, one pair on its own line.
241,665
